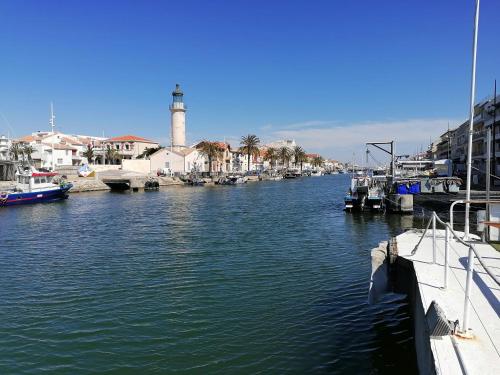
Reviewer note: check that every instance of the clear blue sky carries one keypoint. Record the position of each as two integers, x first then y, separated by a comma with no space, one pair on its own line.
274,68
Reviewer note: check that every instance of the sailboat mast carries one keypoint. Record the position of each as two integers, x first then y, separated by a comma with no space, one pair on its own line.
471,120
52,125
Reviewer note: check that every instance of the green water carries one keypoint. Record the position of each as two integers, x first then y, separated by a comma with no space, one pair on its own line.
266,278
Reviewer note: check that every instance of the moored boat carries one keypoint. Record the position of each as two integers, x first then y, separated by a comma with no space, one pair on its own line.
232,180
366,192
35,187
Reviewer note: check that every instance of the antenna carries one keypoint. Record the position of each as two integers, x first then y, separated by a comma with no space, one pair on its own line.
52,124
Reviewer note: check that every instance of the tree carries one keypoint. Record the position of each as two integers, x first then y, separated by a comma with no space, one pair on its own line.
271,156
299,156
212,150
28,150
112,155
15,151
317,161
284,154
148,151
250,146
89,153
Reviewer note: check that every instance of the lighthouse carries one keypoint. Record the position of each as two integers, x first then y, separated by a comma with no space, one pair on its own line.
178,119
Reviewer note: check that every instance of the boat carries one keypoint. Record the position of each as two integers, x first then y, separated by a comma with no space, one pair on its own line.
366,192
85,171
292,173
33,186
316,173
231,180
151,185
195,181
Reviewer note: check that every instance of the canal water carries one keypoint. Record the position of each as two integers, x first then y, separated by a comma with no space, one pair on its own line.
265,278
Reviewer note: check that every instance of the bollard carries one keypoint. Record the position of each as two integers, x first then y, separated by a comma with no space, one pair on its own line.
434,238
446,248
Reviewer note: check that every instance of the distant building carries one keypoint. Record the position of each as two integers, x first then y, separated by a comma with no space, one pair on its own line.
289,143
441,148
484,113
68,149
182,161
5,144
129,146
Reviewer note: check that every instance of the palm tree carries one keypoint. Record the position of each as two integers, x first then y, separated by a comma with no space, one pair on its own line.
299,156
284,154
112,155
271,156
250,146
15,151
317,161
89,153
148,151
28,150
212,150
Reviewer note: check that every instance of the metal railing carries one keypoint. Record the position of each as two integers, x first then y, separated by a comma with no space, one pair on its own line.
470,259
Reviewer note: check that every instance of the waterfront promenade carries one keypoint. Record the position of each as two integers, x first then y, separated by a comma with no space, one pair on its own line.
480,353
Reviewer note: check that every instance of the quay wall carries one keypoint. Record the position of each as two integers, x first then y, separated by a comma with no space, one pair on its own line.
105,167
405,281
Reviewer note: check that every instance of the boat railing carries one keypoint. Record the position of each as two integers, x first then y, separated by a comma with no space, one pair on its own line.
434,220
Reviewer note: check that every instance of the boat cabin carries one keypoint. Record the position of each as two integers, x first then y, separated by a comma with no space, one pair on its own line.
34,181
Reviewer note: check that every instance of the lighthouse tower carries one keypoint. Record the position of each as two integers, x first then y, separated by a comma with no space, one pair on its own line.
178,119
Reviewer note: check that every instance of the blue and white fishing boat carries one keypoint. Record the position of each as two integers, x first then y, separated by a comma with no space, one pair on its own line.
35,187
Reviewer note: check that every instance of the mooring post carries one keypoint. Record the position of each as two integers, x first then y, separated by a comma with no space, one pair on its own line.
434,237
468,287
446,248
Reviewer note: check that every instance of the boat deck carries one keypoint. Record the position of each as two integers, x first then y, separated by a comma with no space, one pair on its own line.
480,354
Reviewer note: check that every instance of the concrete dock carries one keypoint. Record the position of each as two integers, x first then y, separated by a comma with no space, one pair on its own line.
453,354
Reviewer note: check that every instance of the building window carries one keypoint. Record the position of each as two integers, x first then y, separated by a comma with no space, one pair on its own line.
127,147
59,161
117,147
167,164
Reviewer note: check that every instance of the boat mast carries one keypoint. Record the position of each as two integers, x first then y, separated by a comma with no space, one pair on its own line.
52,125
471,120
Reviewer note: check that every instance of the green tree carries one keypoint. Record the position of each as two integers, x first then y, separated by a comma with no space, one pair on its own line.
317,161
212,150
299,156
112,155
15,151
28,151
250,146
271,156
89,153
284,154
148,151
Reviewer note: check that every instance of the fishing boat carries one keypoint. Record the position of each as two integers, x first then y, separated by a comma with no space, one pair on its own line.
366,192
231,180
33,186
195,181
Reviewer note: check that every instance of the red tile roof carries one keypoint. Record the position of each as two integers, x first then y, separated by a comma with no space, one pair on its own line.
129,138
312,156
59,146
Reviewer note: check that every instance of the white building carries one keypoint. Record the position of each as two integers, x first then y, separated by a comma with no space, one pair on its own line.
182,161
129,146
289,143
5,144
